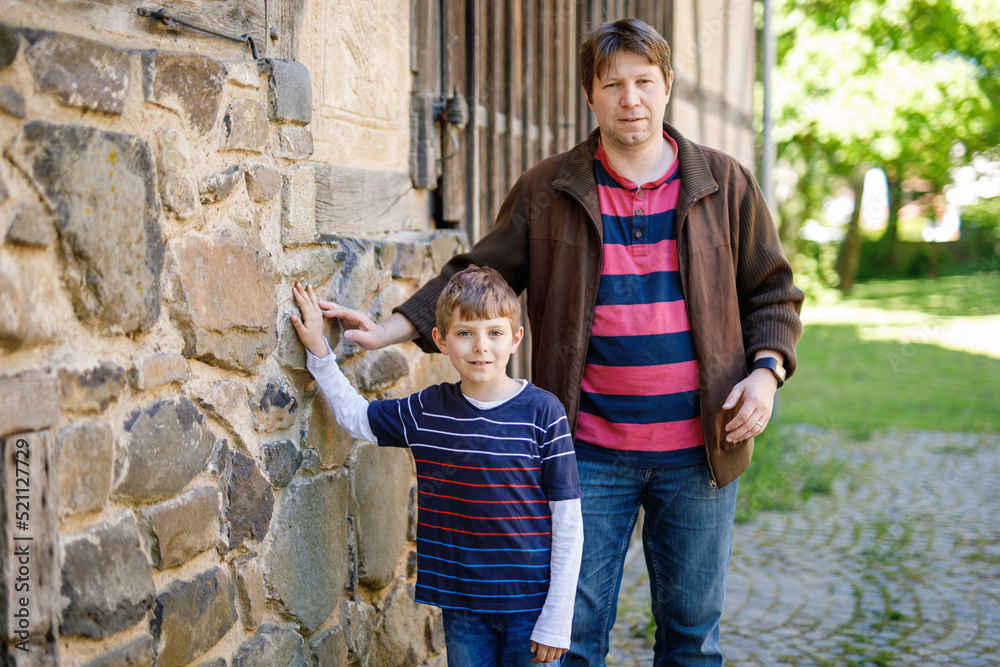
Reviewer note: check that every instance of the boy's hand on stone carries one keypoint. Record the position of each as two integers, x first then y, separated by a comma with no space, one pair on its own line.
545,653
310,326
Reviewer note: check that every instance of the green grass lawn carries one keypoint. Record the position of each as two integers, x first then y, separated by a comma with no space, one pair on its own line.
857,386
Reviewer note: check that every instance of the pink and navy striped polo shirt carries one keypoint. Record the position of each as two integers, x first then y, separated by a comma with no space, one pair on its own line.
640,399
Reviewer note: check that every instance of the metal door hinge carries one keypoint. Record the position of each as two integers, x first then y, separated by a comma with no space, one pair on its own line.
166,19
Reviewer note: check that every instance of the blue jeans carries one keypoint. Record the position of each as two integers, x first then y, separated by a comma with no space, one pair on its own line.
687,536
488,640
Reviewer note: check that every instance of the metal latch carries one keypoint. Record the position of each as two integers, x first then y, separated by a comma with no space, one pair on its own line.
454,116
166,19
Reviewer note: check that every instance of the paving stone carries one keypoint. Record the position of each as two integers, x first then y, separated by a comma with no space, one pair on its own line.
330,647
281,459
305,570
217,187
31,227
80,72
11,102
263,181
107,585
293,142
223,325
380,484
245,127
186,83
156,370
269,646
274,405
183,527
91,389
298,206
289,91
250,587
161,448
94,179
137,652
192,615
85,464
178,190
248,501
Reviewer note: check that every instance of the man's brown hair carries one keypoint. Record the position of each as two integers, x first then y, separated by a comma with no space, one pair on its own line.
479,293
606,41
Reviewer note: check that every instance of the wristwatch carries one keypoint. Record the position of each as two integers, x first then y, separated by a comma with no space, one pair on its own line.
773,365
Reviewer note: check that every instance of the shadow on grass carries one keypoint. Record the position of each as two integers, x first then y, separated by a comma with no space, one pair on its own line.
974,294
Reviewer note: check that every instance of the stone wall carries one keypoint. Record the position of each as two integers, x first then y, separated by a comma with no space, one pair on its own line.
192,500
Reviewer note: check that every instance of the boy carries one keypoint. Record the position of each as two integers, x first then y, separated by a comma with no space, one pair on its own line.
499,534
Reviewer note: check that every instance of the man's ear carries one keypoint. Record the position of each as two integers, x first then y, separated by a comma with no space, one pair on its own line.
590,102
518,337
439,340
670,85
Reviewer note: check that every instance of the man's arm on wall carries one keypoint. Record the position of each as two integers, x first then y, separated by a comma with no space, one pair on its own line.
360,328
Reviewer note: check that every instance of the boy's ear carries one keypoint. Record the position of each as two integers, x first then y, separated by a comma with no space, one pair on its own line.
439,340
518,336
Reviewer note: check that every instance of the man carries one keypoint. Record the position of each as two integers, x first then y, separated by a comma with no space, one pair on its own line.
663,315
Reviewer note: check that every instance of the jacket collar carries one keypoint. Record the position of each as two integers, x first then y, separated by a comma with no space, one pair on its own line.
576,174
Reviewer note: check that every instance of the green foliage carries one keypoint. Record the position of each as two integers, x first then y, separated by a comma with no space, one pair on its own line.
983,220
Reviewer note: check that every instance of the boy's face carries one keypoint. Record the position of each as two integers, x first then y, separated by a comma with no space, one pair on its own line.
479,350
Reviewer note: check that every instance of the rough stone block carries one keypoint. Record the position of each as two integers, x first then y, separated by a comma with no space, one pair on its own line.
227,401
274,405
331,442
28,504
380,369
156,370
217,187
359,277
293,142
186,83
26,281
220,456
330,647
310,462
380,484
263,181
245,127
312,265
289,91
298,206
289,351
9,44
250,587
183,527
223,300
247,501
93,179
360,618
192,615
31,227
399,630
91,389
106,582
281,459
305,570
161,448
269,646
11,102
30,402
85,464
173,168
137,652
244,74
80,72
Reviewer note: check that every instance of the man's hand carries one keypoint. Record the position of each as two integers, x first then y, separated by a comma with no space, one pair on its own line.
757,394
360,328
545,653
310,327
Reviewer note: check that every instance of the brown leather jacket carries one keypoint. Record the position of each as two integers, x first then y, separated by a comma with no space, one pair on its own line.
737,283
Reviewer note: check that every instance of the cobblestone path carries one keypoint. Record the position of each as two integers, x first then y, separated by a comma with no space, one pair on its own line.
900,565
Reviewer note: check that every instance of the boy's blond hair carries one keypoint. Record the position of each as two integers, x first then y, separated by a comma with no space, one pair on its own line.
479,293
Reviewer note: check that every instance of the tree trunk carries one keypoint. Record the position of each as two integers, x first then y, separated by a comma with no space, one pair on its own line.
850,250
891,237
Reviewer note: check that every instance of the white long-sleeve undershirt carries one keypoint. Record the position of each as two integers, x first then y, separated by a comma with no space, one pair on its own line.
553,627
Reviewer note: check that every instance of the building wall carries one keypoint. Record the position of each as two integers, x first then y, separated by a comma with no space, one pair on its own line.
187,495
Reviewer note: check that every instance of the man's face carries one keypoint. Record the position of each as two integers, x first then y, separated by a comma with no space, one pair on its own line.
630,101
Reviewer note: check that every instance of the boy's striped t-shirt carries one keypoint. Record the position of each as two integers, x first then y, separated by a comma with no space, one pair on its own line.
484,482
640,397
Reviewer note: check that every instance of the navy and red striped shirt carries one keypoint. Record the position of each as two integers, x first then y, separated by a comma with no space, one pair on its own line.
484,482
640,398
